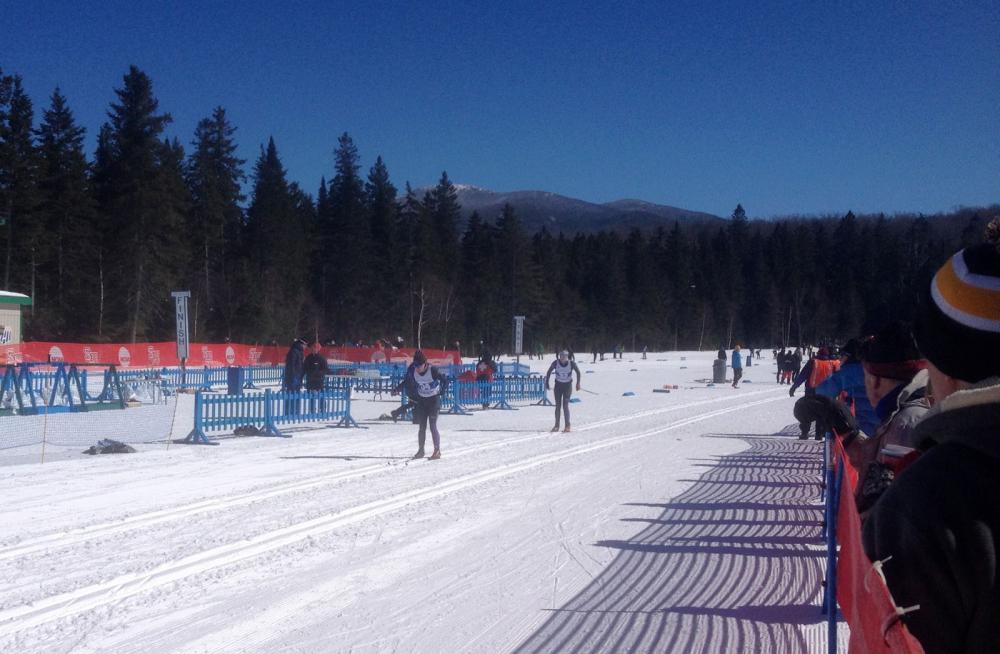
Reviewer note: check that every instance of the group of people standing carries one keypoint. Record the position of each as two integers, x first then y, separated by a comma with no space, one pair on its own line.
918,411
789,364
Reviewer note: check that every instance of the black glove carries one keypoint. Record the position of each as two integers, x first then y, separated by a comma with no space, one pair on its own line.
791,392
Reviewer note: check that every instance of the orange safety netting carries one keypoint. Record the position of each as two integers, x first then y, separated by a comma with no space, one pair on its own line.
864,599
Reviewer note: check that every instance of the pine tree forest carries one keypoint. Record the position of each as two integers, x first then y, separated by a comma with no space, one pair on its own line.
100,241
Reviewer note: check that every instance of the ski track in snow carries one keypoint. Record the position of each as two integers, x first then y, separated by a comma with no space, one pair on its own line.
340,539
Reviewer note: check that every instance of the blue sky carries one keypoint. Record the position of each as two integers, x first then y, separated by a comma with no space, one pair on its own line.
817,108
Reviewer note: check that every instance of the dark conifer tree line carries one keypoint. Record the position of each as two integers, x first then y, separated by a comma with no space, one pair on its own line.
100,242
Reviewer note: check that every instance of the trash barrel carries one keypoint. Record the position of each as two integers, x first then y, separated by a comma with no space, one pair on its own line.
234,380
719,371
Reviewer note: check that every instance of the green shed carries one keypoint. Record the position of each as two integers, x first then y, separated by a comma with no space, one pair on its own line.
10,316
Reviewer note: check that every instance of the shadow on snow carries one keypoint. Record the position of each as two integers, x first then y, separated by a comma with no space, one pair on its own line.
733,564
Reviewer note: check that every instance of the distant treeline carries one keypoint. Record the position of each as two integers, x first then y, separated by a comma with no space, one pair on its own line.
100,242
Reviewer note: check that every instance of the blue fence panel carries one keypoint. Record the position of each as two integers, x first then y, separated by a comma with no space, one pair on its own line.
311,406
227,412
511,369
256,376
267,410
500,393
62,388
338,383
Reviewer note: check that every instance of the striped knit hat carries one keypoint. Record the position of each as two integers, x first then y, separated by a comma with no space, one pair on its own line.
959,330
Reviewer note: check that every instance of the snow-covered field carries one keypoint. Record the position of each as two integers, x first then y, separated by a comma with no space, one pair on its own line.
680,522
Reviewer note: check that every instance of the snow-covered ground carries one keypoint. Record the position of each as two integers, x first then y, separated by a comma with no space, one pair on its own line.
677,522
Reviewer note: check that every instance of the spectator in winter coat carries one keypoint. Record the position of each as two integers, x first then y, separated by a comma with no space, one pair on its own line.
484,375
817,369
828,413
895,383
316,368
292,378
813,374
848,385
940,521
737,366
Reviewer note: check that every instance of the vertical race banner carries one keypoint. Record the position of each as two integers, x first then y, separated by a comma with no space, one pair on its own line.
518,335
183,340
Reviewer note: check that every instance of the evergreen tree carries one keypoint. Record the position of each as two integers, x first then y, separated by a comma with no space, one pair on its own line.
348,246
277,259
67,271
446,215
404,268
18,179
144,208
214,174
381,200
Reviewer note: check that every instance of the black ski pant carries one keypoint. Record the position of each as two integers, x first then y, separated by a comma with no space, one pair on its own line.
426,413
563,391
810,409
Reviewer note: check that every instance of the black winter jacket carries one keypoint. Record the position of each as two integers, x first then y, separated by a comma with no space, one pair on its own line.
940,523
315,367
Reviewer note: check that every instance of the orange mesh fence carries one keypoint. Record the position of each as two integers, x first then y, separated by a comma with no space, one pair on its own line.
864,599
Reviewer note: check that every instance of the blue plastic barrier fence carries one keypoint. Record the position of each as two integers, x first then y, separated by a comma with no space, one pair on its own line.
310,406
501,393
257,376
513,369
833,479
267,410
62,389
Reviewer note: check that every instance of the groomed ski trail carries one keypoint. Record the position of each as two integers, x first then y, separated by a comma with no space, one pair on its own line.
63,605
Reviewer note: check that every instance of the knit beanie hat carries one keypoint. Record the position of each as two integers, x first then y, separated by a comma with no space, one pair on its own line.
892,353
419,358
959,326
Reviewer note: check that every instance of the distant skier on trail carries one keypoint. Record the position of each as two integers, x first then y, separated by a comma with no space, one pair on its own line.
425,384
563,367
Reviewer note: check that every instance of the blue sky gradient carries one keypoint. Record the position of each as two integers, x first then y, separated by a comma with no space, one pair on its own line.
785,107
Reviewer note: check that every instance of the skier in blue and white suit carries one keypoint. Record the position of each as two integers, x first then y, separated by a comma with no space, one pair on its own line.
563,367
425,384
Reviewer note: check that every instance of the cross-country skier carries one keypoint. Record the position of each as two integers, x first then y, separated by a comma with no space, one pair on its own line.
563,367
425,384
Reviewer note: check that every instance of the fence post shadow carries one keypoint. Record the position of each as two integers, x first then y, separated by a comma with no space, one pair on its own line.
733,564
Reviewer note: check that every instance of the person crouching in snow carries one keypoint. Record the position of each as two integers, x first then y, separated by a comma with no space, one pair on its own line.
563,368
425,384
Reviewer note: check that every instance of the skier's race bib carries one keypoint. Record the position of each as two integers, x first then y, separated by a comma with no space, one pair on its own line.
427,386
563,373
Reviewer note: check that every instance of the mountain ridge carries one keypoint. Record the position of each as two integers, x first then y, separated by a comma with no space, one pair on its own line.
560,213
